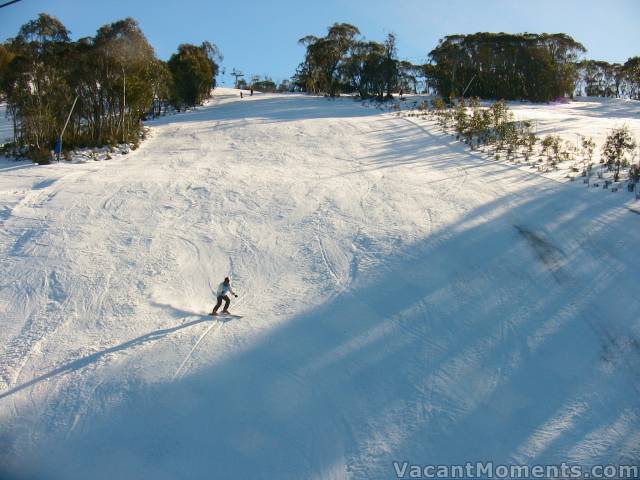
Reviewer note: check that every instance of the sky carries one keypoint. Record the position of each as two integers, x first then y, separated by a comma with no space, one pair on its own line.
260,37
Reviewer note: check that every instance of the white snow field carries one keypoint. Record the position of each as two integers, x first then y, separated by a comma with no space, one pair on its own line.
401,299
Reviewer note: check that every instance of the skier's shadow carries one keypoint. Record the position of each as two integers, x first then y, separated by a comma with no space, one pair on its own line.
89,359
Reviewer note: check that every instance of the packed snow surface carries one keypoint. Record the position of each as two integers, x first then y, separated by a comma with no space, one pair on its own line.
401,299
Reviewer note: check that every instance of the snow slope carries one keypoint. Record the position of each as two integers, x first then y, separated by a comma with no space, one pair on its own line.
401,299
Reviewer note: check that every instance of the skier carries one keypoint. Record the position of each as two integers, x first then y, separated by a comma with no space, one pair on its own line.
223,289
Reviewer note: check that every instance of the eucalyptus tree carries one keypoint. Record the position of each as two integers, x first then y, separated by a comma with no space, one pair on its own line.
124,62
617,146
35,83
601,79
363,69
389,67
507,66
162,86
587,148
6,56
99,88
342,61
193,69
265,84
631,69
409,75
324,55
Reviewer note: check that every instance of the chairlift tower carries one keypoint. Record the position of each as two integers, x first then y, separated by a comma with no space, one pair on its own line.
236,74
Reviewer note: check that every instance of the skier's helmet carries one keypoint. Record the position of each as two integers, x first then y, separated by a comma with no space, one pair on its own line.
226,280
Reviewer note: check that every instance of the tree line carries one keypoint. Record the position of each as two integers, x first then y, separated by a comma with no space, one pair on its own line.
527,66
99,87
344,62
261,83
604,79
506,66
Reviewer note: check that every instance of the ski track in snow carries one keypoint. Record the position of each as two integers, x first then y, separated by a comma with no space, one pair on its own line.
402,298
180,369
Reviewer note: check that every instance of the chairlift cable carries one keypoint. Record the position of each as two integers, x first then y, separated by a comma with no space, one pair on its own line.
9,3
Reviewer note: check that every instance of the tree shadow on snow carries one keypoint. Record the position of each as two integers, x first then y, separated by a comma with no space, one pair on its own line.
462,347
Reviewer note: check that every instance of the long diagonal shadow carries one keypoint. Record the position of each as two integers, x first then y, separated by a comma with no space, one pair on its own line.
459,363
89,359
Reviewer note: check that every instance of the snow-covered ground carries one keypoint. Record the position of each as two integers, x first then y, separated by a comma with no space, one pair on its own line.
588,117
401,299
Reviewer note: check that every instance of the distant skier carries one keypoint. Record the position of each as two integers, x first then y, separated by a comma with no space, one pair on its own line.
251,94
223,290
240,93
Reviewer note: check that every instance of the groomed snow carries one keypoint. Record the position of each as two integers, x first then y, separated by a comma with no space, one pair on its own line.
401,299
